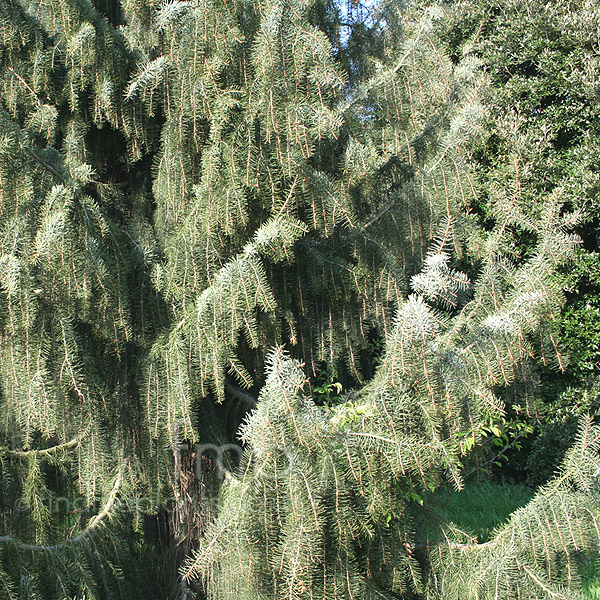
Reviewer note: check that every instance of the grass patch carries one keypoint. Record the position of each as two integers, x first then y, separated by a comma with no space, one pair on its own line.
481,507
591,580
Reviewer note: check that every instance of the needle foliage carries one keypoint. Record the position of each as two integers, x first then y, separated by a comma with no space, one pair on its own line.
187,188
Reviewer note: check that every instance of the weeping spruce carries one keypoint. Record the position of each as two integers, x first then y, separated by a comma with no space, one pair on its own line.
204,202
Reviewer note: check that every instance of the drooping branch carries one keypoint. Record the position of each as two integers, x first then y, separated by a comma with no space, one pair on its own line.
44,451
41,452
94,524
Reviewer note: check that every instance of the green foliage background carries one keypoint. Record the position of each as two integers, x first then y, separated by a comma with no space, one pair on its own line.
541,57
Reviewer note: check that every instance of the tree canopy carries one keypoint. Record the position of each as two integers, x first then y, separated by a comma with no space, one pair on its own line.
204,206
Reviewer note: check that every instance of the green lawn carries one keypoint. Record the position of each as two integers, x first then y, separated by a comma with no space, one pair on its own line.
591,580
481,507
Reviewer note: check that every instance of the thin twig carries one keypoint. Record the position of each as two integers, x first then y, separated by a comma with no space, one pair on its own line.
238,393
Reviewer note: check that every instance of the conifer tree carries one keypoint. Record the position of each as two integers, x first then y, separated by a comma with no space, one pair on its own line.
187,185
